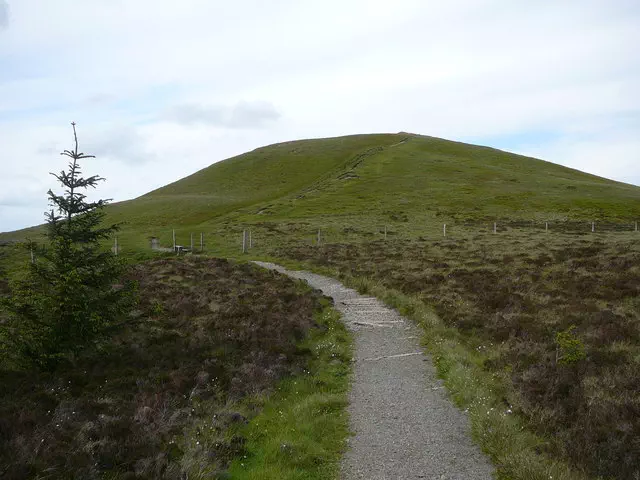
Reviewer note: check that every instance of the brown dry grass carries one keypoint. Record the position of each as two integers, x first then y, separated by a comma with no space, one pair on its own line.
510,295
207,333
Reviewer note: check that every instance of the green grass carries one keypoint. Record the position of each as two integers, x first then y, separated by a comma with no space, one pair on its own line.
379,175
300,433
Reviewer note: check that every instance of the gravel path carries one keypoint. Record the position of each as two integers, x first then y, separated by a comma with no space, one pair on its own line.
403,423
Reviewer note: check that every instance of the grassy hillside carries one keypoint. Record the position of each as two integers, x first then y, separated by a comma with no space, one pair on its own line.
376,179
263,175
381,173
412,183
357,184
421,175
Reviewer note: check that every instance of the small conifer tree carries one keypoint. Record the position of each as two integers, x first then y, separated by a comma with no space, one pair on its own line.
71,296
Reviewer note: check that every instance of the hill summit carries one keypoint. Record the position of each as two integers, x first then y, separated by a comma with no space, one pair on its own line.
374,174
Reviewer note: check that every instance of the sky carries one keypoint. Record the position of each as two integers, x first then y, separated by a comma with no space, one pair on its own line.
160,89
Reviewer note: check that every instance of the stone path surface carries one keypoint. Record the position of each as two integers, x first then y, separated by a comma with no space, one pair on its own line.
404,425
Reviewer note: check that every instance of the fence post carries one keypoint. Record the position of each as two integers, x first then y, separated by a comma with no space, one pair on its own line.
201,241
318,237
495,227
593,227
33,259
385,231
444,230
250,240
244,241
636,226
191,242
174,240
546,226
115,247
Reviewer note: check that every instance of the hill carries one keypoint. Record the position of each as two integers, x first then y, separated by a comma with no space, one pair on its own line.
366,181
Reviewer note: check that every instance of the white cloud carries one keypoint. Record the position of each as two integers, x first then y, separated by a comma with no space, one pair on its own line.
241,115
4,14
119,143
163,84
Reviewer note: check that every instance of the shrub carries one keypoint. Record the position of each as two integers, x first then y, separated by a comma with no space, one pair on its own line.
569,348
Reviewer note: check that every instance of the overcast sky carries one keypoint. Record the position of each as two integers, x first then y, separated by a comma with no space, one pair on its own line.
161,88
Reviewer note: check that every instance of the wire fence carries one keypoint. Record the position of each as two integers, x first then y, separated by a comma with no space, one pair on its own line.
230,240
245,238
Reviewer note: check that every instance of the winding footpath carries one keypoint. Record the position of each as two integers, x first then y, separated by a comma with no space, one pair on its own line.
404,425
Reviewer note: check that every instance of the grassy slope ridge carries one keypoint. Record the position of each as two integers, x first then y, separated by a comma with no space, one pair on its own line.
263,175
378,174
